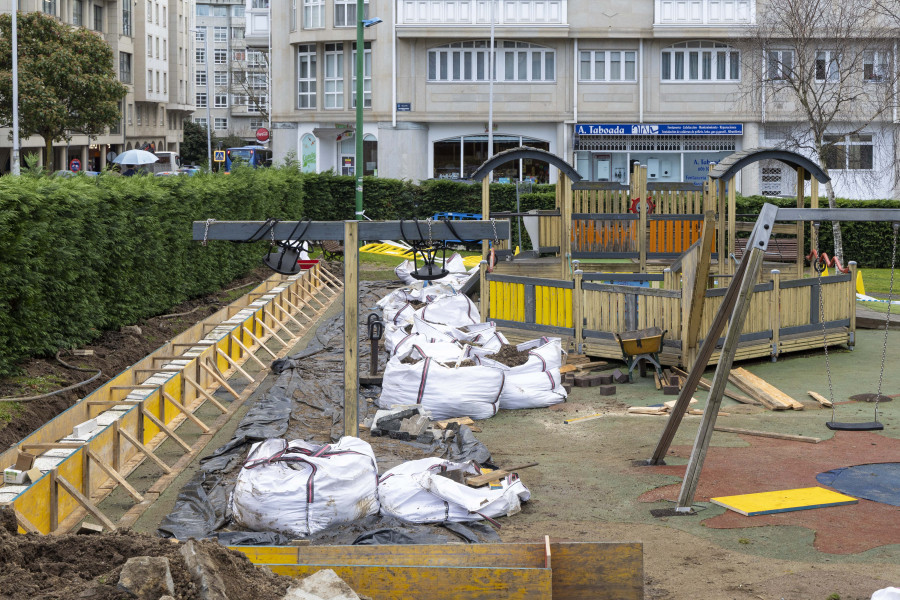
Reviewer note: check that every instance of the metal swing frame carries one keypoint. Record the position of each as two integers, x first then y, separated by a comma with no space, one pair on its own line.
735,306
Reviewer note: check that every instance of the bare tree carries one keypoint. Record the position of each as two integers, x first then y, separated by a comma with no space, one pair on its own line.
250,78
825,70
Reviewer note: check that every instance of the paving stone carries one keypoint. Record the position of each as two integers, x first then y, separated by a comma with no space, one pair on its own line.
606,390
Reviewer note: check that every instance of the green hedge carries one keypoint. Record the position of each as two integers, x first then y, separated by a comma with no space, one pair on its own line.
869,244
82,255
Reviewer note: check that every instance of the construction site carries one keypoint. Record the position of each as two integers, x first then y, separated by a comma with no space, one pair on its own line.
657,400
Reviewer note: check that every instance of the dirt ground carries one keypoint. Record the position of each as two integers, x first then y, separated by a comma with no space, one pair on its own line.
587,488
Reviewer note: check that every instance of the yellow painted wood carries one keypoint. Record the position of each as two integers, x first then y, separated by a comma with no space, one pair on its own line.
765,503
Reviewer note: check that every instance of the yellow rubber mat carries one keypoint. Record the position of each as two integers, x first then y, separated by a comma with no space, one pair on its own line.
766,503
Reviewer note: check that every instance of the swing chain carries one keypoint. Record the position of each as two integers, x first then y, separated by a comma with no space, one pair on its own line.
206,232
496,237
887,318
815,243
430,242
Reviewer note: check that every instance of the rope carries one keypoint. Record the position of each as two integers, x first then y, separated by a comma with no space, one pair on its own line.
57,392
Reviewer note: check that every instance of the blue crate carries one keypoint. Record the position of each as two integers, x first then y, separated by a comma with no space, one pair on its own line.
455,216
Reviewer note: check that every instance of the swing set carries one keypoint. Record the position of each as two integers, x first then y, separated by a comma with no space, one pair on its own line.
732,313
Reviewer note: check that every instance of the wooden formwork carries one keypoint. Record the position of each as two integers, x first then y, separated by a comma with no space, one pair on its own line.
145,405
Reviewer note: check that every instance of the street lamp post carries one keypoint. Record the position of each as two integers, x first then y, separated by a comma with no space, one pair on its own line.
361,24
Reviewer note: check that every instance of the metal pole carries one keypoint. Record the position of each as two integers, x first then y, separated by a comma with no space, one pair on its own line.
14,162
360,64
209,124
490,151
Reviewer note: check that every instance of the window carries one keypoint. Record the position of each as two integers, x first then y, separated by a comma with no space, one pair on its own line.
164,17
334,75
50,7
827,65
238,100
238,55
237,33
140,114
459,157
220,101
124,67
238,77
306,76
201,121
313,14
701,61
220,34
200,78
200,56
345,13
149,81
293,15
615,65
130,114
150,46
220,11
98,18
780,65
257,103
157,82
853,152
468,61
875,66
200,100
200,34
221,78
256,59
257,123
157,47
220,123
260,4
257,81
220,57
238,10
367,75
126,19
165,82
78,13
202,10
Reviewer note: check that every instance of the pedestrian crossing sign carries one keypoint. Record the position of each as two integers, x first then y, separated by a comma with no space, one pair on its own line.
218,155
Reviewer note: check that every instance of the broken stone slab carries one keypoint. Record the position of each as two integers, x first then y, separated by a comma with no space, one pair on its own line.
204,572
414,425
89,529
321,585
147,577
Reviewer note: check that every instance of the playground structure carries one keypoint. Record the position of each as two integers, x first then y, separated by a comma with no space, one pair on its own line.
626,268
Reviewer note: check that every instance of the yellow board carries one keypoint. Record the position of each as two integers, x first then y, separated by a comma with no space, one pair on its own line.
389,249
766,503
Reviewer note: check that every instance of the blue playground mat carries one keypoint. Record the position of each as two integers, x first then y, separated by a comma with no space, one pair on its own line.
879,482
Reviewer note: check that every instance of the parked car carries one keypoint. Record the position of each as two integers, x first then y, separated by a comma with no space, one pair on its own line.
67,173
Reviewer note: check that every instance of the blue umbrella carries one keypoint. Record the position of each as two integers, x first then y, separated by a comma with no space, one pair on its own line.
135,157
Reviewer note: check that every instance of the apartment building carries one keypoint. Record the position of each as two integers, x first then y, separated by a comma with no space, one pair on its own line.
230,77
602,84
149,39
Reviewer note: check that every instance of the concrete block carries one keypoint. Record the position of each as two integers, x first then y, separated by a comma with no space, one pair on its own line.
606,390
603,379
414,425
567,387
322,585
204,572
584,381
620,377
83,430
147,577
89,529
670,390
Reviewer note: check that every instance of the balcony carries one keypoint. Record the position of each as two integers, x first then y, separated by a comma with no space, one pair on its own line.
257,26
455,13
713,13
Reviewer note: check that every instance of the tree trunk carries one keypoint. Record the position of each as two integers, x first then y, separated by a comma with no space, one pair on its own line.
48,153
835,226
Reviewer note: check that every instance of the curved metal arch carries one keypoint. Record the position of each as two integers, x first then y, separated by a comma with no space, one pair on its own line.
501,158
730,165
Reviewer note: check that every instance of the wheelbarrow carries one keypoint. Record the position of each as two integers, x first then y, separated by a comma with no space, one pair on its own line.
641,347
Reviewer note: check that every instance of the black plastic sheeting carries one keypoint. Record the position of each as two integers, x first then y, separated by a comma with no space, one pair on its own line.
312,381
879,482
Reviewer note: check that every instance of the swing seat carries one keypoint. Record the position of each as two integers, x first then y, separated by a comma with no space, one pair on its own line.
869,426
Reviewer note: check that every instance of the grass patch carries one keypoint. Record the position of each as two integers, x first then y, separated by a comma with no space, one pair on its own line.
40,384
8,410
879,281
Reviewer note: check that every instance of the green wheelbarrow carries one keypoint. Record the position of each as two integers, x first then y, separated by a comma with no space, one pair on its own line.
641,347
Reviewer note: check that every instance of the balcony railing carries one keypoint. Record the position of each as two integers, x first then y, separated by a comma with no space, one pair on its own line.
705,12
454,13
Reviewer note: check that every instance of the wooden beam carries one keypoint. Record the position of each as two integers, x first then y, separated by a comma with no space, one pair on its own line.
351,328
235,365
281,324
50,446
147,452
200,389
249,352
259,343
24,523
85,503
165,429
185,411
288,314
221,380
698,295
115,475
54,500
768,434
298,311
270,330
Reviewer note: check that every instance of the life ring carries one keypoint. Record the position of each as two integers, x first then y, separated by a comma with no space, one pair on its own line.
492,260
635,203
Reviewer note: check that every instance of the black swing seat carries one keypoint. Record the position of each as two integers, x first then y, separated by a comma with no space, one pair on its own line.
869,426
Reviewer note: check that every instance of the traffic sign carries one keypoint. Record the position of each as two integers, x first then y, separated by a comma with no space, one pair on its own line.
262,134
75,165
218,156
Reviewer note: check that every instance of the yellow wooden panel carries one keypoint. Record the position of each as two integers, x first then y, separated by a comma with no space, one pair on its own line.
221,363
458,583
71,470
151,405
33,502
173,387
765,503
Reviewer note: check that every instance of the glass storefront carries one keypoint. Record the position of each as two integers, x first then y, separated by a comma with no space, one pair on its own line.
459,157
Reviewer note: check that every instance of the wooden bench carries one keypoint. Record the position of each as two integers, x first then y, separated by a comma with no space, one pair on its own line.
332,249
779,250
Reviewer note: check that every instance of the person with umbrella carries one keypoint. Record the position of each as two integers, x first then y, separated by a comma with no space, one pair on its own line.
131,158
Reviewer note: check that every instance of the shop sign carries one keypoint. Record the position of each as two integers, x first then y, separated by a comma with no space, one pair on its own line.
659,129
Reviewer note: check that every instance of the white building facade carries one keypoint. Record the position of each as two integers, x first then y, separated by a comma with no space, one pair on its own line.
602,84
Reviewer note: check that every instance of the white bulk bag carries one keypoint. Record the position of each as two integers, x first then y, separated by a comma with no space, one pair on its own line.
536,389
456,310
443,391
298,488
413,491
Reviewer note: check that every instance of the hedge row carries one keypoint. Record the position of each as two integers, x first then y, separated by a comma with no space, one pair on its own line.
81,255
